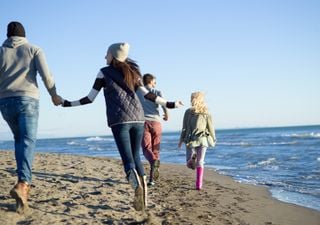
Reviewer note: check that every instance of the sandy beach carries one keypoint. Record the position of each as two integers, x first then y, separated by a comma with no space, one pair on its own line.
70,189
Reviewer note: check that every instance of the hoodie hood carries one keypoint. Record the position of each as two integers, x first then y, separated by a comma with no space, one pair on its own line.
14,42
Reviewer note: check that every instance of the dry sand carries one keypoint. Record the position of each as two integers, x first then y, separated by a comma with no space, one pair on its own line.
71,189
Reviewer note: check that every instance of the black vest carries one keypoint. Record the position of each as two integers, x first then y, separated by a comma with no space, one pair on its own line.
123,104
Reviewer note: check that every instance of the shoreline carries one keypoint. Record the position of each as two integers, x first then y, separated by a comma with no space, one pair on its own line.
77,189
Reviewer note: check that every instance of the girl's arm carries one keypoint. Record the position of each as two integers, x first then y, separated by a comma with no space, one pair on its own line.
98,84
210,128
184,128
157,99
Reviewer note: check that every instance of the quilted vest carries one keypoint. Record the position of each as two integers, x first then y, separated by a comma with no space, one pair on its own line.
123,104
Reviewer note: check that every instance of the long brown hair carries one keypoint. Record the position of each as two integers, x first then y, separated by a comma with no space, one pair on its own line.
130,71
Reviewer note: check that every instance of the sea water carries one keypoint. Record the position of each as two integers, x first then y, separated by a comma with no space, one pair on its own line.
285,159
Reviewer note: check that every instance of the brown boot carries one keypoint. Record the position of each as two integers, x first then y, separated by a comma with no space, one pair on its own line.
156,172
20,192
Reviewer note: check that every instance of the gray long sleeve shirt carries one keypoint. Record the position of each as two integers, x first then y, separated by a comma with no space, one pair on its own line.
19,64
151,109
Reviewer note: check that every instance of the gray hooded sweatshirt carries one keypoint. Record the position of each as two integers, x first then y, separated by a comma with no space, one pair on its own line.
19,64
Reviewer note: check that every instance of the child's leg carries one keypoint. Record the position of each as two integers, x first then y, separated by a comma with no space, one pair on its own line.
156,133
190,157
201,152
153,151
146,143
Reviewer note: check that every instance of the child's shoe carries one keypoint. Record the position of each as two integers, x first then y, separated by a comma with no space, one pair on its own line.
192,162
151,183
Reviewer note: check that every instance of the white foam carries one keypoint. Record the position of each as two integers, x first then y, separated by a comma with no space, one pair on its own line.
296,198
97,138
303,135
267,162
72,143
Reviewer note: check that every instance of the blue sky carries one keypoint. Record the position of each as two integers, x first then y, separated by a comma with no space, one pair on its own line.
257,61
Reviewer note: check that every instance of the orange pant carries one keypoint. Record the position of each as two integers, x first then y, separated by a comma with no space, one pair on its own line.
151,140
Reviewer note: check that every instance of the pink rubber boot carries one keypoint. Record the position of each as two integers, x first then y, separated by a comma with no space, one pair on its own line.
199,178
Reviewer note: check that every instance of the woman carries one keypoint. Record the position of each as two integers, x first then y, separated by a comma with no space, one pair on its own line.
198,134
121,79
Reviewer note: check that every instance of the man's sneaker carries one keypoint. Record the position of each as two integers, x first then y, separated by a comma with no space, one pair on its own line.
151,183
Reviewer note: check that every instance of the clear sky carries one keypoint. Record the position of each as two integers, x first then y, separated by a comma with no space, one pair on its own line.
257,61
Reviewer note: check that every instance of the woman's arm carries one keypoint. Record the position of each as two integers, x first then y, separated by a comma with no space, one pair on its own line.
98,84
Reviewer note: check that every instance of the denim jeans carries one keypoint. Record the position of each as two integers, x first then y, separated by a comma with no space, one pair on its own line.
128,138
21,114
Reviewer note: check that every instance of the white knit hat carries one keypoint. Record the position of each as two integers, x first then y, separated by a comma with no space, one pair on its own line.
119,51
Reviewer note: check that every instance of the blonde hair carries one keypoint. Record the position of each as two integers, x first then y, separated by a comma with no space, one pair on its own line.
197,102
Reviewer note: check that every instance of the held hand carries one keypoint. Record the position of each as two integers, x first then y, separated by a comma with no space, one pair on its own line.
178,104
165,117
57,100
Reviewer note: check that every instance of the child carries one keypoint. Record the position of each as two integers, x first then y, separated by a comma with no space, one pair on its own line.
152,128
198,134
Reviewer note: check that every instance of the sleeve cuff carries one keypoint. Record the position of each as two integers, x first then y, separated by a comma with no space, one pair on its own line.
66,103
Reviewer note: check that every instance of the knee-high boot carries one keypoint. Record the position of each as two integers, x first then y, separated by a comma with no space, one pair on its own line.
137,185
200,171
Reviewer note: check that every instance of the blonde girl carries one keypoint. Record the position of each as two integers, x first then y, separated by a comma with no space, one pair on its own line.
198,134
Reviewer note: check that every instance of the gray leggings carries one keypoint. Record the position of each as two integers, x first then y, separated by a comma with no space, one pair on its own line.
200,151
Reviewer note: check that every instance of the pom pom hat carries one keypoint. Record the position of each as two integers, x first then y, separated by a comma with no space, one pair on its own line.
119,51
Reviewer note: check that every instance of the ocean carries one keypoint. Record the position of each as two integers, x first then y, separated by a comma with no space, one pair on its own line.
284,159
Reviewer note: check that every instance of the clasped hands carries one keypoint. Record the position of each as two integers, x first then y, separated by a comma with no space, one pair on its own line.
57,100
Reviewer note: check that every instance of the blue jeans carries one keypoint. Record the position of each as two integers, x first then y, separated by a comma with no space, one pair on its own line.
21,114
128,138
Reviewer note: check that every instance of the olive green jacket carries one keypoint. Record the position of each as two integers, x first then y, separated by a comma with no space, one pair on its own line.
197,129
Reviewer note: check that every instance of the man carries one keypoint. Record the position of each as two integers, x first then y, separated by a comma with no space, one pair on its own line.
152,128
20,62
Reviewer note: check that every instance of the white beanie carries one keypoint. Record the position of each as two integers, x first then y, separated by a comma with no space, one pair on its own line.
119,51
